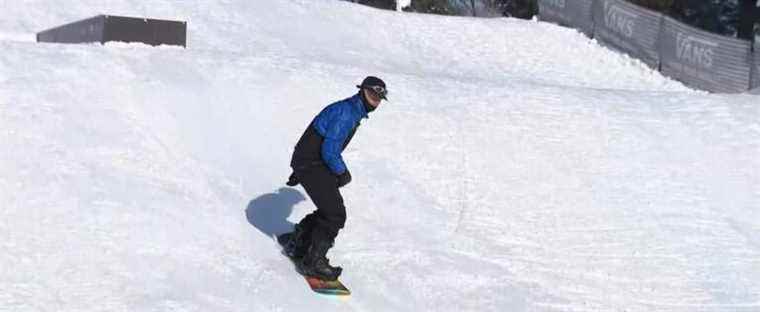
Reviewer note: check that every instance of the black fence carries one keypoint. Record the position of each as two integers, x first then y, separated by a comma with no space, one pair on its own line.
756,71
695,57
105,28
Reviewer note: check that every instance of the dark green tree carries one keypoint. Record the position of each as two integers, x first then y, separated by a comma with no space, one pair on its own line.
380,4
749,16
525,9
487,8
656,5
442,7
718,16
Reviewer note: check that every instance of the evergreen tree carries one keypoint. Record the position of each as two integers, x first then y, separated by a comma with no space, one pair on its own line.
718,16
442,7
486,8
525,9
380,4
749,16
656,5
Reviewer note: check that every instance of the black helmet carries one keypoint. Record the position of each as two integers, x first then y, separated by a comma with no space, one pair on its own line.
376,85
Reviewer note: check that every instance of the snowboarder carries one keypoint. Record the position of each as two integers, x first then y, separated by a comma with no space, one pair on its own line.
319,167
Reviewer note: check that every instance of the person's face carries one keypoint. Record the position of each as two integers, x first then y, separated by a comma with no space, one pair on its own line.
372,97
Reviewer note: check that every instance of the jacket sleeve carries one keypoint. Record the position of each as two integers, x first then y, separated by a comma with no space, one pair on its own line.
335,135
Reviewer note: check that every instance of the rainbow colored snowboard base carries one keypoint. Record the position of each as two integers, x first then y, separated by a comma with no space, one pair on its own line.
334,288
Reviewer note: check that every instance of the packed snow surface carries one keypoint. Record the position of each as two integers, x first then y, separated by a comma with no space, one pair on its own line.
518,166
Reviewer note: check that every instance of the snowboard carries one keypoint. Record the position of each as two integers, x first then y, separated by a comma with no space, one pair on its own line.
334,288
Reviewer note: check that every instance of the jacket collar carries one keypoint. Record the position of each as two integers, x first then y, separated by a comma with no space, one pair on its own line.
358,104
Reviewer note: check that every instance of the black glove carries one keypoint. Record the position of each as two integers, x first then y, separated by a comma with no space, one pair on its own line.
293,180
344,179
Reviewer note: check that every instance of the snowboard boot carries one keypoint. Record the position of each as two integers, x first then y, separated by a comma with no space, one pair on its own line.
295,244
315,264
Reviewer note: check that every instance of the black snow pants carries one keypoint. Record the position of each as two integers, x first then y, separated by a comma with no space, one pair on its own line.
323,224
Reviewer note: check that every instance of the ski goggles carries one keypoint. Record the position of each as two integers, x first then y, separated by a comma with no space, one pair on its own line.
379,90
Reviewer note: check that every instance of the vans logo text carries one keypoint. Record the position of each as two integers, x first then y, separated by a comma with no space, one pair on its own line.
618,19
695,51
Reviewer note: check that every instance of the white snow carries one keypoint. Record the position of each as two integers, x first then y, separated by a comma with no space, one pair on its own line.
518,166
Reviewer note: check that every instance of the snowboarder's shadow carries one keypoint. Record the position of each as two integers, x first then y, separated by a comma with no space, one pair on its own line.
269,212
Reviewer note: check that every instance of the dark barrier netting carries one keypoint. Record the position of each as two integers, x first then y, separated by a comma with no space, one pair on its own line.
149,31
756,71
573,13
88,30
628,28
105,28
704,60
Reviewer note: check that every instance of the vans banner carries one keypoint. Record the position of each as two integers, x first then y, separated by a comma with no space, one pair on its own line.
572,13
628,28
704,60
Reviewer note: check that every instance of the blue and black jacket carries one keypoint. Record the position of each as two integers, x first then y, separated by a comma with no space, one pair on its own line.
328,135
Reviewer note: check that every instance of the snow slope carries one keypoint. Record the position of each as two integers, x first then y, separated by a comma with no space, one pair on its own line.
518,167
